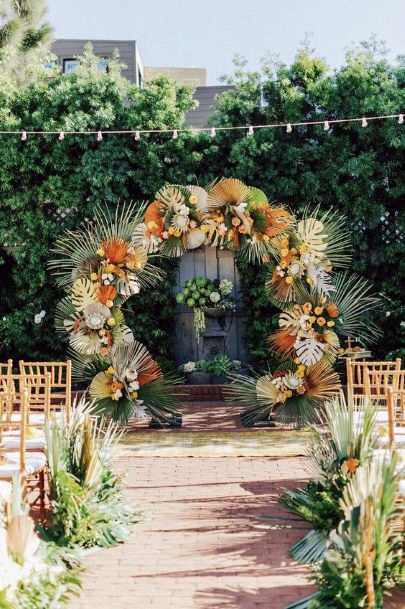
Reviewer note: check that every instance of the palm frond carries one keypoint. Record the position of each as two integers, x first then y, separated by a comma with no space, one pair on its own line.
228,191
242,389
65,316
299,411
354,299
337,234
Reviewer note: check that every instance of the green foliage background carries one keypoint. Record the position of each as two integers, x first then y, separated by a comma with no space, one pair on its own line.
48,186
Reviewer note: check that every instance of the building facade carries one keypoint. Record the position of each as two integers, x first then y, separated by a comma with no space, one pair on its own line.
66,51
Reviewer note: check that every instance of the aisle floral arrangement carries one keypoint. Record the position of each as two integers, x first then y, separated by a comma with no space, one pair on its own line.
86,496
33,574
200,294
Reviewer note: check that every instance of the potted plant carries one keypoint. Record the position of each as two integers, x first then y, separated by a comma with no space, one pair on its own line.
196,373
206,297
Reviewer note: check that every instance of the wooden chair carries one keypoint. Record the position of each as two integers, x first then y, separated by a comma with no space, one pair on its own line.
396,417
61,381
371,380
6,368
29,466
39,396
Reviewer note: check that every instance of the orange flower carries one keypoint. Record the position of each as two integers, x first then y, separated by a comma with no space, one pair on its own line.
321,321
242,230
307,306
352,464
153,215
106,292
103,351
266,258
332,310
235,221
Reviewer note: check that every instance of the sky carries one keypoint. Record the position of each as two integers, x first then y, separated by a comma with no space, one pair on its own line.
208,33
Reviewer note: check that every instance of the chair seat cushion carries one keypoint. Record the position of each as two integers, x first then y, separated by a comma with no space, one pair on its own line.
402,487
35,418
34,462
399,438
5,491
381,416
13,441
383,455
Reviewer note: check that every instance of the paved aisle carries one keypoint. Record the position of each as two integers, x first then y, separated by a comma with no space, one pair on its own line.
203,544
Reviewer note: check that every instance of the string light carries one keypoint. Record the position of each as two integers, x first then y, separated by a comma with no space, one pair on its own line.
212,130
61,136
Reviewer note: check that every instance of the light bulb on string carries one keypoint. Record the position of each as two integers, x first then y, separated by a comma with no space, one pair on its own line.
401,119
99,136
24,136
61,136
326,126
364,122
250,131
137,136
175,134
288,128
213,132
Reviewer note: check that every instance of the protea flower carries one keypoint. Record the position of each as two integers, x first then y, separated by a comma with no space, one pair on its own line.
96,314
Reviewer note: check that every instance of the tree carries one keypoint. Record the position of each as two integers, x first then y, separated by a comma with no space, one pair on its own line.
24,36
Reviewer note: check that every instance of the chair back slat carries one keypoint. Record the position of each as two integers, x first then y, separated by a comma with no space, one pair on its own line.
61,380
371,379
396,412
19,425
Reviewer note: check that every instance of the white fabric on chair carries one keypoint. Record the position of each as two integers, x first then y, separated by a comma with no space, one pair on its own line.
402,487
5,491
382,455
33,463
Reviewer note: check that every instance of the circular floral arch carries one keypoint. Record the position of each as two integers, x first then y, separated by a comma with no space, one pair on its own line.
107,261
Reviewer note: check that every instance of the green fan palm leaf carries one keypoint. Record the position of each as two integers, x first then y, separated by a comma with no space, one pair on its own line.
354,300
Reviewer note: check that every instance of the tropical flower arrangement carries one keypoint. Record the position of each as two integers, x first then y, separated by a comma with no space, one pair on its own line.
240,218
200,294
294,392
173,222
310,332
228,214
100,266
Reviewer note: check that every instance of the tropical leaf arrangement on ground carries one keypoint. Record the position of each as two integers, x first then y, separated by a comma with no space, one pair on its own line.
354,505
34,574
100,266
88,507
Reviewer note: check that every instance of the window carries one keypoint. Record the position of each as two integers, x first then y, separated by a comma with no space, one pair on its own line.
70,65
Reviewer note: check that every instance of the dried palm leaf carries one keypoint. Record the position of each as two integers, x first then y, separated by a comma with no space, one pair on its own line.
83,294
228,191
322,382
336,231
282,343
202,196
172,196
195,238
66,316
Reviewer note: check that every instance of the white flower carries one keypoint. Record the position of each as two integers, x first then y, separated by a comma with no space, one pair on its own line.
215,297
134,386
117,395
183,210
225,286
402,324
295,268
189,367
37,318
106,282
292,382
180,222
388,313
130,375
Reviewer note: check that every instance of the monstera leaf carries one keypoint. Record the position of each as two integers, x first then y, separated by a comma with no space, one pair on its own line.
312,234
83,294
308,349
291,318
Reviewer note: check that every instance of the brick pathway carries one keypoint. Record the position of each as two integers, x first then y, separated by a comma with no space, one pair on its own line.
205,542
